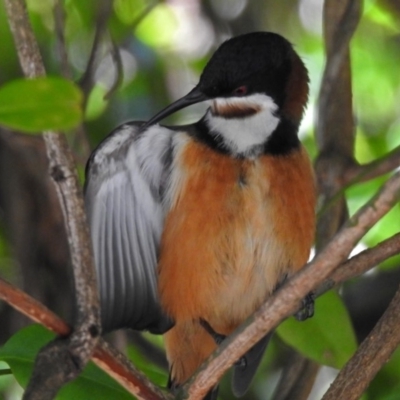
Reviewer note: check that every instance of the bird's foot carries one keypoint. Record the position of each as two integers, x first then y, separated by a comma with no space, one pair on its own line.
241,363
307,308
219,338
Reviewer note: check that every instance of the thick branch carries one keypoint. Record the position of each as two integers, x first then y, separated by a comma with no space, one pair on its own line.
335,127
286,301
375,351
337,36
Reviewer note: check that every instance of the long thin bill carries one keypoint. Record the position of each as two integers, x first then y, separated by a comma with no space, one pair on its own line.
193,97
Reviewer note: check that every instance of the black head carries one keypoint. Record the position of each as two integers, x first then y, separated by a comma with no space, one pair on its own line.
257,62
254,63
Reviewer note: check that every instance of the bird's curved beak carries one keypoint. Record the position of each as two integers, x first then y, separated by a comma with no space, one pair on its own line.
193,97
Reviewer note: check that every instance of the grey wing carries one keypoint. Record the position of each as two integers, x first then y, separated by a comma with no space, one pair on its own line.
123,197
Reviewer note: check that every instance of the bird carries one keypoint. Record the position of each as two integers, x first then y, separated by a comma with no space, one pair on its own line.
195,226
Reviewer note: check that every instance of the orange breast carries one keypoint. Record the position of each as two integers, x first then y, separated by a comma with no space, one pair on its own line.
234,228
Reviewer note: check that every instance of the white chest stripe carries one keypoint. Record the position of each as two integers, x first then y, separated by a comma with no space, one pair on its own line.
242,135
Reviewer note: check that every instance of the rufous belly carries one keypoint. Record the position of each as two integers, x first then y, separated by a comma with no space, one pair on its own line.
234,229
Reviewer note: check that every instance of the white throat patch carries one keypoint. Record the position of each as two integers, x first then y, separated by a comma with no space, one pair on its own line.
242,135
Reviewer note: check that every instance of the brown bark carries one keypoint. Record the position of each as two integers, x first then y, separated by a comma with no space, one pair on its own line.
80,345
372,354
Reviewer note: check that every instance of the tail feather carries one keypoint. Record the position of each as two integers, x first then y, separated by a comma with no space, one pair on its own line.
243,374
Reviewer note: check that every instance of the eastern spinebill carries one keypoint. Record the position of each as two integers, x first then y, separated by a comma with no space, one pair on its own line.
195,226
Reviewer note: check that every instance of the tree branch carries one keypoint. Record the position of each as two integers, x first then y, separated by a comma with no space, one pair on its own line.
365,172
335,127
86,82
361,263
286,301
105,357
32,308
375,351
338,36
119,71
82,341
59,20
25,43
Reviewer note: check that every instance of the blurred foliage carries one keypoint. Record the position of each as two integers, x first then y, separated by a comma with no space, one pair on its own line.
162,48
49,103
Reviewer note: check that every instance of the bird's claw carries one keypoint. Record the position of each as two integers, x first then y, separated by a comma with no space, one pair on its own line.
218,338
307,308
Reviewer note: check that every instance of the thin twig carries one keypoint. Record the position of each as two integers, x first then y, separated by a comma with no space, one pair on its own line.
59,18
80,146
121,369
32,308
119,70
361,263
87,80
365,172
354,173
287,299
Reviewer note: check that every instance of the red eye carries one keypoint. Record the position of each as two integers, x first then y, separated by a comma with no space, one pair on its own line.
240,91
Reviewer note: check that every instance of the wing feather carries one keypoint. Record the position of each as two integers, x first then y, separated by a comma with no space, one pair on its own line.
124,180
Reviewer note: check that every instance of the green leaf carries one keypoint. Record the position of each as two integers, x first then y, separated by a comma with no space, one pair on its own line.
327,338
40,104
20,351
